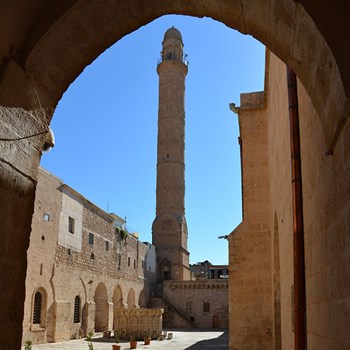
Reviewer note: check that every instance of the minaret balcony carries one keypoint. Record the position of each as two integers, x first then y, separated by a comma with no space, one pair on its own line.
183,59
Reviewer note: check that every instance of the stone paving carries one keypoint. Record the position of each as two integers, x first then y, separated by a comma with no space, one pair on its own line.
198,340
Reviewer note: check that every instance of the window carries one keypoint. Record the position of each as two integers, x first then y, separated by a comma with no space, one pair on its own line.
134,264
46,217
206,307
92,256
188,307
142,263
71,224
107,246
119,260
129,261
41,269
37,308
76,316
91,238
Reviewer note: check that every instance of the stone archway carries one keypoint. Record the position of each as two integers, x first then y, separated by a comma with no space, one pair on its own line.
118,304
131,299
53,44
142,299
101,308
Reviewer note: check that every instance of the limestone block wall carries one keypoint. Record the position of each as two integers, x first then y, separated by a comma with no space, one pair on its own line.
281,212
251,311
326,194
266,233
326,213
41,256
84,284
204,303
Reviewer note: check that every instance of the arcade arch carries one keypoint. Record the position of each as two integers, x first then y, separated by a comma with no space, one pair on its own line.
101,308
131,299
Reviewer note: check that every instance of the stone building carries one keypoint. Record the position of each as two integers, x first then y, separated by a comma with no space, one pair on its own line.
85,271
205,270
48,44
265,310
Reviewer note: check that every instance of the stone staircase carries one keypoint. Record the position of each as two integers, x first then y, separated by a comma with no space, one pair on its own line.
159,300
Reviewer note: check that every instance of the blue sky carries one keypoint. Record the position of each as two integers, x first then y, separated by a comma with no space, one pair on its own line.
106,129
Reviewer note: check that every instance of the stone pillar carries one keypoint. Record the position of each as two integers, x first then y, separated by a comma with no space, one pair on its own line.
110,316
19,161
89,317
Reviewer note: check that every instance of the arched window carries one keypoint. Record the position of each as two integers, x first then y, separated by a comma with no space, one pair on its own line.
77,309
38,299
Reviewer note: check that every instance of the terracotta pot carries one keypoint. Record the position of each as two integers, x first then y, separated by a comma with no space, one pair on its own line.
133,344
116,347
147,340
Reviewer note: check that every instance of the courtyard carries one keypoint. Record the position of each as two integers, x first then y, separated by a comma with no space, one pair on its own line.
190,340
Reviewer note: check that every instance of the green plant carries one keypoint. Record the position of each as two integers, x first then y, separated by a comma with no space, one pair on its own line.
117,336
123,234
28,345
89,339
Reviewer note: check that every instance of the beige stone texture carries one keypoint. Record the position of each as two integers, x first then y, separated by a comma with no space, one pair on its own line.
267,202
109,275
46,45
183,304
169,229
251,325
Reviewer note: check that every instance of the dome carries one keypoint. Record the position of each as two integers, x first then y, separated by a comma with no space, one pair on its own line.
172,33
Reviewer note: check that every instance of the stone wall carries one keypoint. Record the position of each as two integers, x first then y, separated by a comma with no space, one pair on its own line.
138,323
200,304
251,320
261,247
105,272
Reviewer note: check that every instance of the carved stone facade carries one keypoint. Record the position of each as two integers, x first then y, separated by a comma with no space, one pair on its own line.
139,323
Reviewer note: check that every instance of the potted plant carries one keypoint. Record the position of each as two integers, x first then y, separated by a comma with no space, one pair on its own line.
133,342
28,345
116,346
147,339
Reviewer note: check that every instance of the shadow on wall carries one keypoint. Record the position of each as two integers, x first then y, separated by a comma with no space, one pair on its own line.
219,343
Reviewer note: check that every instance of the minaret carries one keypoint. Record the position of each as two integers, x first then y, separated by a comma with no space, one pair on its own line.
169,228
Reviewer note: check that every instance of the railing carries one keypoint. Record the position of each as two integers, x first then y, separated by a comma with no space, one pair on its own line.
173,58
180,313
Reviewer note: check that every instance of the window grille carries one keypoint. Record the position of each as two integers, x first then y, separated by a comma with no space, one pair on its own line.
188,307
77,309
37,308
91,238
71,224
